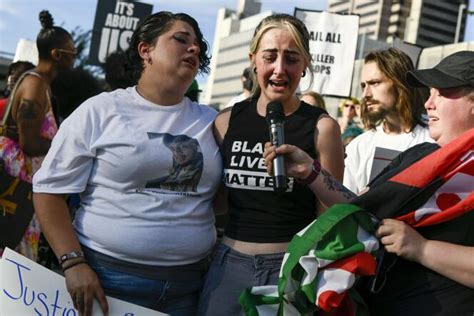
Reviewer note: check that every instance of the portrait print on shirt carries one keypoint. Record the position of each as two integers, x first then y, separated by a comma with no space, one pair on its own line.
186,170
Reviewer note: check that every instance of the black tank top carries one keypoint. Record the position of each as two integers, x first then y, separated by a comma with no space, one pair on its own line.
256,213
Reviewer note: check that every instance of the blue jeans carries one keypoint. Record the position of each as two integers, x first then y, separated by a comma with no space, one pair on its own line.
230,273
172,297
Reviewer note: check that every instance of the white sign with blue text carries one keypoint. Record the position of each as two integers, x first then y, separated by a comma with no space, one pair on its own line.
27,288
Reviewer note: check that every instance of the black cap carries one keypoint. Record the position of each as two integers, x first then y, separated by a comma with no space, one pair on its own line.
456,70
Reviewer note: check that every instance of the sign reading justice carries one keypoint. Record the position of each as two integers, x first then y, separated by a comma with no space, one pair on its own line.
27,288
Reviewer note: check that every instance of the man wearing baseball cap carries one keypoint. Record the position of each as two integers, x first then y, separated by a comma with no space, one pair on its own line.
433,273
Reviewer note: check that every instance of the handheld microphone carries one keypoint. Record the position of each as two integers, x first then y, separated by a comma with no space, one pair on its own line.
276,119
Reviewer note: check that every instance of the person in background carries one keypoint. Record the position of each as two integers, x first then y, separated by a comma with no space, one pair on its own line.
32,116
247,84
313,98
70,88
118,72
350,120
391,111
349,110
262,222
433,273
146,246
15,70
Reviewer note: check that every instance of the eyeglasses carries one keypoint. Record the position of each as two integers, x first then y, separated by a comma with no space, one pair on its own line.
71,52
349,105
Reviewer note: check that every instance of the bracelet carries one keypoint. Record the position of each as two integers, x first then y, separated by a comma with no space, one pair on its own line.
69,256
315,170
75,263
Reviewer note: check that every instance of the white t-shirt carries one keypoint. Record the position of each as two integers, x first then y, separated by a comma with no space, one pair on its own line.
360,153
138,203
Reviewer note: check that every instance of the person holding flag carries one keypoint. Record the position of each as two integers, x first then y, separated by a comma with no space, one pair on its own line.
424,199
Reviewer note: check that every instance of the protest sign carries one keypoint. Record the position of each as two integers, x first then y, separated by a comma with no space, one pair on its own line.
333,43
27,288
115,21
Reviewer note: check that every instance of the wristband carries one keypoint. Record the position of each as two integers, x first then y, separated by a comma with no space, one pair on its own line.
75,263
315,170
69,256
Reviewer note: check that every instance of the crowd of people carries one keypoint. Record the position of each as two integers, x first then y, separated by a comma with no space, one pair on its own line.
147,165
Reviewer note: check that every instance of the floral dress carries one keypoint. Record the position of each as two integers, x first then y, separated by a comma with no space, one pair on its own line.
18,164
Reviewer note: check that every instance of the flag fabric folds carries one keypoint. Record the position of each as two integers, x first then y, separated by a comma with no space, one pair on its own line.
321,264
324,259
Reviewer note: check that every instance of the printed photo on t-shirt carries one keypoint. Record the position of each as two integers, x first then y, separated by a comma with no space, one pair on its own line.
185,172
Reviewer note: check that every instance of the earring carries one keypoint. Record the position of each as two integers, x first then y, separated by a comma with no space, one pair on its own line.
254,70
304,73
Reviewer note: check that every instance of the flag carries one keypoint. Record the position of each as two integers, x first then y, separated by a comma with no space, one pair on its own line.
321,264
431,190
323,260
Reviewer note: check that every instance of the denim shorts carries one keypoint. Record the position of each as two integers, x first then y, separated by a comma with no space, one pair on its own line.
231,272
170,296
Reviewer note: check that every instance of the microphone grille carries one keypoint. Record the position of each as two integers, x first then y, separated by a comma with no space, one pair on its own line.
275,112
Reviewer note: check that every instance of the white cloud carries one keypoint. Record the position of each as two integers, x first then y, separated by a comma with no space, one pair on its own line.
9,7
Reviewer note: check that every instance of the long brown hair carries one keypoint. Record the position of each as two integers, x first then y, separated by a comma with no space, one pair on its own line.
395,64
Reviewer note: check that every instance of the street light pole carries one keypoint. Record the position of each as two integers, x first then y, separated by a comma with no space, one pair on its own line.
462,7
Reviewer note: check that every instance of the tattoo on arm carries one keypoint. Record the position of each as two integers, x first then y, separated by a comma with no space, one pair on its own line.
333,185
28,110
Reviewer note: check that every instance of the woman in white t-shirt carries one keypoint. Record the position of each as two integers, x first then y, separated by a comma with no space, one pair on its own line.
143,243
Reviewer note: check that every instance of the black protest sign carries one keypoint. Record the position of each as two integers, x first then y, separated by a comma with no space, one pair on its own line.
114,24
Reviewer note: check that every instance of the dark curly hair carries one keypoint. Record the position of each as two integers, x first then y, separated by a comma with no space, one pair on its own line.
50,36
152,27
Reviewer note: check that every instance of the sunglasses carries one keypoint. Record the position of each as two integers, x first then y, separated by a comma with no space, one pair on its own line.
71,52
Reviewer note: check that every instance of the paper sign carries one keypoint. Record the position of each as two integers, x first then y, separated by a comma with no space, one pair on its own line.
27,288
332,44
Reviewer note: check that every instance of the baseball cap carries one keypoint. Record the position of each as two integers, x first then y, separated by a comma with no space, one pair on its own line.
456,70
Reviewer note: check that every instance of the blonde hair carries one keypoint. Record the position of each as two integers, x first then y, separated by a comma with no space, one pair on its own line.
350,99
317,97
298,32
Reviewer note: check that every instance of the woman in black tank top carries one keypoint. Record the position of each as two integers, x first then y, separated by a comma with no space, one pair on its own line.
261,222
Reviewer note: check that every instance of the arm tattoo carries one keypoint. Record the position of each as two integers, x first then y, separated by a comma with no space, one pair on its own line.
334,185
28,110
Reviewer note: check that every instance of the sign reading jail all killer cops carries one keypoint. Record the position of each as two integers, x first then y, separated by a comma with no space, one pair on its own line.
114,24
332,44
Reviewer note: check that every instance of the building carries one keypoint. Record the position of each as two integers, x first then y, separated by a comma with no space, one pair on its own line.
234,30
425,23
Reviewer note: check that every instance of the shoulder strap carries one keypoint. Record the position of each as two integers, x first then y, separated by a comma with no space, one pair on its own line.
12,95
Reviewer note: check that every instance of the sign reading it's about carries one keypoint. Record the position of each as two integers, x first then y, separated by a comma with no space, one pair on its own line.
115,21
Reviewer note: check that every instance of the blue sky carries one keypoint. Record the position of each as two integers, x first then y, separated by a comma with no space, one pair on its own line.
19,18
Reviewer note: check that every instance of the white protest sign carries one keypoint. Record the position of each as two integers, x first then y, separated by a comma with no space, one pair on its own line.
27,288
333,43
26,51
